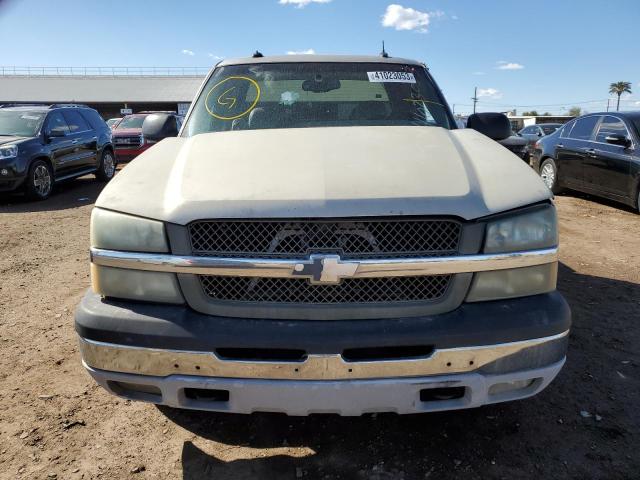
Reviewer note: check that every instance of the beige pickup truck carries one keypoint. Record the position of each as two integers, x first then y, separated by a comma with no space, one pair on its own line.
321,237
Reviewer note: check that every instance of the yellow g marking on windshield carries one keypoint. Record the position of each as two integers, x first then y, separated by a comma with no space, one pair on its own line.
230,101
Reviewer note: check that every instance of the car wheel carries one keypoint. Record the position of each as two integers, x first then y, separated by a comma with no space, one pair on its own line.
107,167
549,175
40,180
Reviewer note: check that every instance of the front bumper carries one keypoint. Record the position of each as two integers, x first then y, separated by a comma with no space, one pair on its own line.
159,353
126,154
343,397
10,184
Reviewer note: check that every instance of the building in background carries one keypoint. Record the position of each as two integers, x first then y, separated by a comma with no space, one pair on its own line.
113,91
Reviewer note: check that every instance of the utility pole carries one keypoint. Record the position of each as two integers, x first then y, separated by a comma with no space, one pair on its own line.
607,104
475,98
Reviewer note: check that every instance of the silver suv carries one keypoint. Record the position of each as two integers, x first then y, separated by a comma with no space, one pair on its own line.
320,237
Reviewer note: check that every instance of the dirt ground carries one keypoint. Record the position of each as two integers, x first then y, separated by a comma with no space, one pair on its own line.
56,423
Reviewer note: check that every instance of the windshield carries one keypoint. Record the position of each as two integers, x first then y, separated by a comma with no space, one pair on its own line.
20,123
549,129
133,121
636,123
302,95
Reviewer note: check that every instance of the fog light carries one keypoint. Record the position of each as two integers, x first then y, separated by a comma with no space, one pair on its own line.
516,282
510,386
4,172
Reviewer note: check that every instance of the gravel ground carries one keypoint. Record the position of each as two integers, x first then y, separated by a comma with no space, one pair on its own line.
56,423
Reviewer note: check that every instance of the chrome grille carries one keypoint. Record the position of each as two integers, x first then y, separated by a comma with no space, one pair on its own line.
355,239
349,291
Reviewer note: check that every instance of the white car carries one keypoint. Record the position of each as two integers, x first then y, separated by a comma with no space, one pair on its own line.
321,237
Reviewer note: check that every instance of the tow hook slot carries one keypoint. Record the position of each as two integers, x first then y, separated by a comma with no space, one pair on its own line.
372,354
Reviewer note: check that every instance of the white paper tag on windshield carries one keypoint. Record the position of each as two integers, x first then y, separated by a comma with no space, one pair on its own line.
391,77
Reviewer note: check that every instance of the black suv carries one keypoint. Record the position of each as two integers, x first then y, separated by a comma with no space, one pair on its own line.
44,144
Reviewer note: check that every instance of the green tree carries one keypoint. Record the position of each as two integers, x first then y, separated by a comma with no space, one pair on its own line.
575,111
532,113
618,88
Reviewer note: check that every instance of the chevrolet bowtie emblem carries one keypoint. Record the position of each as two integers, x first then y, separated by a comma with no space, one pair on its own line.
325,269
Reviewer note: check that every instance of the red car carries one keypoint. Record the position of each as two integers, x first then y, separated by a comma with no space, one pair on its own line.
127,135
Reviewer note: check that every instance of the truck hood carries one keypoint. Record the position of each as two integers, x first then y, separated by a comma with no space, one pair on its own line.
324,172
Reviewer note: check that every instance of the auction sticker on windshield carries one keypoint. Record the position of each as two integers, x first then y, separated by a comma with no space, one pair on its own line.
391,77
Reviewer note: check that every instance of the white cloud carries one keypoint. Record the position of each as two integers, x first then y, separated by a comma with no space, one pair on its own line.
489,93
310,51
188,52
479,73
215,57
401,18
301,3
454,17
502,65
637,103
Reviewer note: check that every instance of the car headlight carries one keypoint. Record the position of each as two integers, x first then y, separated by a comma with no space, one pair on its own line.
533,230
117,231
10,151
528,231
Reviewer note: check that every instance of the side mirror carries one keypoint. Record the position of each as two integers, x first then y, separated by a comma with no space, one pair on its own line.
494,125
158,126
617,139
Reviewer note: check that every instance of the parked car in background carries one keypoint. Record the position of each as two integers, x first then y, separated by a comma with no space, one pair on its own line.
44,144
112,122
517,145
596,153
331,242
127,135
533,133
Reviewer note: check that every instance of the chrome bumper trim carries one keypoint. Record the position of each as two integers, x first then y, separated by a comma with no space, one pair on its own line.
332,267
156,362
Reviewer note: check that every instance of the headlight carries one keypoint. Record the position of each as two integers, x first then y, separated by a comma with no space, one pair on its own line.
533,230
8,152
528,231
117,231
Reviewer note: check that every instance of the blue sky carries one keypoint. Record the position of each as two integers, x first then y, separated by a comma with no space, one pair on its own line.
544,55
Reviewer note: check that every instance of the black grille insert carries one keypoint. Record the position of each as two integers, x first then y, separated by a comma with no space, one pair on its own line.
352,290
262,354
351,239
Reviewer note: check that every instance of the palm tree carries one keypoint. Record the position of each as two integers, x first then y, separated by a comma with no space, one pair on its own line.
619,88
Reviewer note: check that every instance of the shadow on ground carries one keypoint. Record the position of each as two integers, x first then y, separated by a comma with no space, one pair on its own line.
599,200
543,436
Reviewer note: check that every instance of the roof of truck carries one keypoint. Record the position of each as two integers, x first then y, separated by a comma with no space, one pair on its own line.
319,59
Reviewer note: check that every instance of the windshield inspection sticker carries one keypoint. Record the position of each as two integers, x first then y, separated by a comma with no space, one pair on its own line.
391,77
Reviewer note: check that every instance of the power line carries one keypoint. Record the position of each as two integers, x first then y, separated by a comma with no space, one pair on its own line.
475,98
541,104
